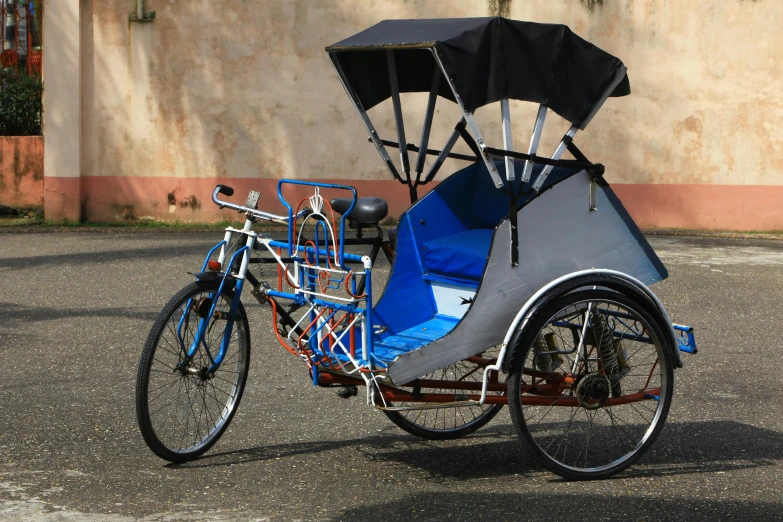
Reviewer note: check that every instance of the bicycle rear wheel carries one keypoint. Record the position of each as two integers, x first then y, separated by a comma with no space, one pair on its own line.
181,408
452,422
591,413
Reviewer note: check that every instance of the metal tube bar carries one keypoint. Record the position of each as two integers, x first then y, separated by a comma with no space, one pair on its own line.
397,395
445,153
537,128
255,212
561,148
615,333
430,152
457,385
582,339
367,344
395,95
373,134
310,250
508,141
472,126
538,160
425,131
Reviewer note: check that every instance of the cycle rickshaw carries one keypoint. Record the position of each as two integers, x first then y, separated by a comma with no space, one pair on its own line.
518,280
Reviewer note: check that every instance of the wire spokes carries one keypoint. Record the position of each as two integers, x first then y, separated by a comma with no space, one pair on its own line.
606,383
186,404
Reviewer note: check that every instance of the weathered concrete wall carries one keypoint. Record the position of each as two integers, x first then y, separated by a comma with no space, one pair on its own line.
21,171
62,26
242,92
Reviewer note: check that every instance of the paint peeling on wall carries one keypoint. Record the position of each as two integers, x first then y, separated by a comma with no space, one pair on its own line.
592,4
499,8
21,171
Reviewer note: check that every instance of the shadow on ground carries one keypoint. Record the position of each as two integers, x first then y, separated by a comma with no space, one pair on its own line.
12,312
93,258
682,448
453,506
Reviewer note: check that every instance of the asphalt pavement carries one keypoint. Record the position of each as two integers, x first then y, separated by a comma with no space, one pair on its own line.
75,309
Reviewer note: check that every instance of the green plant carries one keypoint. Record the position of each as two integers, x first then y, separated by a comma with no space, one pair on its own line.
21,103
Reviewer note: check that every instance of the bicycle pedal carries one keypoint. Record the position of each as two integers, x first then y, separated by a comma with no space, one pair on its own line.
347,391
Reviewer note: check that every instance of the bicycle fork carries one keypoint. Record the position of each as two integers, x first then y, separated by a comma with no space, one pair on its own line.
206,317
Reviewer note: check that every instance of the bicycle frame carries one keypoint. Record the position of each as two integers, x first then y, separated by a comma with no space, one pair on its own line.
319,342
319,335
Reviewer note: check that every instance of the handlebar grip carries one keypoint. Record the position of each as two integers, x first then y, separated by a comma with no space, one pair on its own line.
225,190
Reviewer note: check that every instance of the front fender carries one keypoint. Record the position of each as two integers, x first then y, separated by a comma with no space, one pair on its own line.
217,277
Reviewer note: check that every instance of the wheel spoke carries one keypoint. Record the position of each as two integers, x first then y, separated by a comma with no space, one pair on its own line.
177,414
454,421
618,359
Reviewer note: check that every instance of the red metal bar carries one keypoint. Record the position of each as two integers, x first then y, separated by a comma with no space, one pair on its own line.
334,378
527,400
402,396
480,361
574,402
649,377
457,385
398,395
299,339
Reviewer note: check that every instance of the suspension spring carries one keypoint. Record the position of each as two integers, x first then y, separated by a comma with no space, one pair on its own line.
553,345
543,361
604,341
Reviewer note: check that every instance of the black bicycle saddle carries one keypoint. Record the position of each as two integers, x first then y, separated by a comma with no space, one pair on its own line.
368,211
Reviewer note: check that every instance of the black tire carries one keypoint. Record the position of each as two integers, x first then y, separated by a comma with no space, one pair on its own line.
612,436
192,400
446,423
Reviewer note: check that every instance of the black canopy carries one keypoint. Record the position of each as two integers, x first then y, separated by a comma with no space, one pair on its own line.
487,59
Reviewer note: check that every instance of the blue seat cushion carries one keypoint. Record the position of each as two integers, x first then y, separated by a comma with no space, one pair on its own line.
460,256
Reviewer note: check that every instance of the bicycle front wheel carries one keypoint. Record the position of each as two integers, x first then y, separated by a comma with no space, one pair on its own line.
183,408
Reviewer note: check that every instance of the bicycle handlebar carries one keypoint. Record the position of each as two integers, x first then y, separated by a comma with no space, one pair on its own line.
228,191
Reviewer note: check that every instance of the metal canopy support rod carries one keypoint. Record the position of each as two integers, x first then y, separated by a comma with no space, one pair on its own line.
474,130
430,152
561,148
425,132
537,128
373,135
446,150
395,95
508,141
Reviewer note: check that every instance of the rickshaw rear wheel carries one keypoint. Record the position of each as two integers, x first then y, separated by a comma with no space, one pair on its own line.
592,434
181,408
446,423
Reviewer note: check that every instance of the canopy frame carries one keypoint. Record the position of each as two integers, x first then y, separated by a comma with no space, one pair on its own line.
467,129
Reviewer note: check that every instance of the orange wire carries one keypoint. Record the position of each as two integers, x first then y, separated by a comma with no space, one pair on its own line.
348,289
277,334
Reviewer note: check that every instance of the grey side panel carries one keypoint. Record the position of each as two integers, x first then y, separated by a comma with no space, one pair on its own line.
558,235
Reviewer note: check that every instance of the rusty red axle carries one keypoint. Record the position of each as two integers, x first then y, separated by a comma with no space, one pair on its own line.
539,395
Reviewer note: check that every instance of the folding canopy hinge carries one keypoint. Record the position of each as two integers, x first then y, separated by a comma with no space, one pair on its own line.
595,170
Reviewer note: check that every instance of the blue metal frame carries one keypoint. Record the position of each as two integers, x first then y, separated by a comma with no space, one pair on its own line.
204,322
279,244
291,231
190,301
686,340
